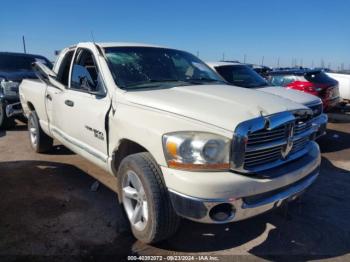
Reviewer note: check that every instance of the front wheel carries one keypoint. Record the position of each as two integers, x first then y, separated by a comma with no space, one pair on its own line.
145,199
39,141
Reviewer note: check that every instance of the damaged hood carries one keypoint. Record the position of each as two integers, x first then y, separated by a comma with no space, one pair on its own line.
220,105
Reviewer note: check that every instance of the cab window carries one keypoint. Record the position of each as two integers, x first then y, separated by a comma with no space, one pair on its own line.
85,75
63,72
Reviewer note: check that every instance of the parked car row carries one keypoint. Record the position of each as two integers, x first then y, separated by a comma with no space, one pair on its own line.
310,81
316,81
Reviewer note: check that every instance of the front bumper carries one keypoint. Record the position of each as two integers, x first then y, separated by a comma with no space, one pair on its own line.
247,196
12,105
199,209
320,123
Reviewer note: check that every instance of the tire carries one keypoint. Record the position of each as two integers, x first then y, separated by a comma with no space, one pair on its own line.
39,141
158,220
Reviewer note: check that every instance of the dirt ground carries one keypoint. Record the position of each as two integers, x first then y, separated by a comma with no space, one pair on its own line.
48,211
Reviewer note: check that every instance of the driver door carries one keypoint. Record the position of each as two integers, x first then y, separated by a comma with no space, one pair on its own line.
82,108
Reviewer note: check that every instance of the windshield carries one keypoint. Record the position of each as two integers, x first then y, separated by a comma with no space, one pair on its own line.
149,67
241,75
10,62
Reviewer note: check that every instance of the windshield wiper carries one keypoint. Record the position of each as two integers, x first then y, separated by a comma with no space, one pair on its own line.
154,83
163,80
203,80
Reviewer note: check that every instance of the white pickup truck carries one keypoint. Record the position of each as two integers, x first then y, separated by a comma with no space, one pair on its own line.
179,140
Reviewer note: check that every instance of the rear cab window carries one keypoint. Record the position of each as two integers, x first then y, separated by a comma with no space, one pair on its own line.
63,71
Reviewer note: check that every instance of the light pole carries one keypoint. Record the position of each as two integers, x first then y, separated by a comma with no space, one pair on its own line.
24,44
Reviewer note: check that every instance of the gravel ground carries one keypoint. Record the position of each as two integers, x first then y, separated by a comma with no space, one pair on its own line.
48,211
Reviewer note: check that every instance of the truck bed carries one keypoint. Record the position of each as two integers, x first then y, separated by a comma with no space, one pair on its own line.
32,95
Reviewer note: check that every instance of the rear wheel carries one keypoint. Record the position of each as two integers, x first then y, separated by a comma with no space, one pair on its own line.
39,141
145,199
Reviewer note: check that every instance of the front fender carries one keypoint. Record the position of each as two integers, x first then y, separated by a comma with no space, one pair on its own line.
146,127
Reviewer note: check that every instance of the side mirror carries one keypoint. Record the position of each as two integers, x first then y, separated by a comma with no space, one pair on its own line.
82,79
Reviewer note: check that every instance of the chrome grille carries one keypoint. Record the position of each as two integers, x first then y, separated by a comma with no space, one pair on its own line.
258,157
265,146
301,127
299,144
263,136
10,88
316,109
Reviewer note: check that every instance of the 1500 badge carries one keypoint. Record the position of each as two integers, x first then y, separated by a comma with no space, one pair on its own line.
98,134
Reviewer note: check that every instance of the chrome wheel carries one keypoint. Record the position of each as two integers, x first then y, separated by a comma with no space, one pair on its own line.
33,132
134,200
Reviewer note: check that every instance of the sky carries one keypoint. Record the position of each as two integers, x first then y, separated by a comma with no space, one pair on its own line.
307,32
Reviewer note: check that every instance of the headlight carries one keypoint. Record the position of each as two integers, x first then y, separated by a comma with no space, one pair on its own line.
197,151
9,88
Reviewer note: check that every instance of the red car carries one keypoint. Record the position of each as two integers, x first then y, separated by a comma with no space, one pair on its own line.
314,82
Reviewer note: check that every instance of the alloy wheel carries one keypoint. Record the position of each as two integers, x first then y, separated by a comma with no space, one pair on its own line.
134,200
33,132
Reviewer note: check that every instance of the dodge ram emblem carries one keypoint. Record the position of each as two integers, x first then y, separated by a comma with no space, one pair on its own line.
289,145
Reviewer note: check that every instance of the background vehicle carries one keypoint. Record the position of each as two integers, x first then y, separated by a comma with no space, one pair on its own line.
178,139
261,70
244,76
314,82
344,84
13,68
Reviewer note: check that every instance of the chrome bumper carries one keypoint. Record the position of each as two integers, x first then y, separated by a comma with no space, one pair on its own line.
197,209
246,206
320,124
14,109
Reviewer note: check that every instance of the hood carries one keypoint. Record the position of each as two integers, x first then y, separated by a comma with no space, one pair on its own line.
220,105
294,95
17,76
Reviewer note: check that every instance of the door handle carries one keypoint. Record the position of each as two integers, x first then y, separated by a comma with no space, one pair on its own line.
49,97
69,103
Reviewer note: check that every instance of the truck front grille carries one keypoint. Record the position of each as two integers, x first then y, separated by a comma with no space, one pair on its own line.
275,146
11,89
316,109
